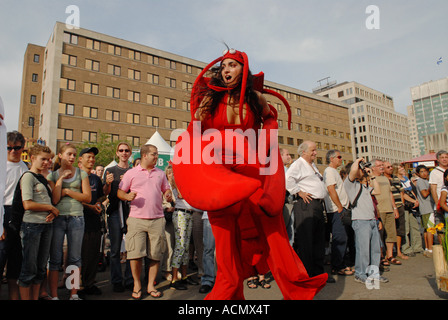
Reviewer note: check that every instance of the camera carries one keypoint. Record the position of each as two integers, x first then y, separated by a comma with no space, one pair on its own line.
363,165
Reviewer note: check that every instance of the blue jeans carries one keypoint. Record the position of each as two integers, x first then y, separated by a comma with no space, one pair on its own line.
338,240
73,227
367,241
208,258
116,236
36,241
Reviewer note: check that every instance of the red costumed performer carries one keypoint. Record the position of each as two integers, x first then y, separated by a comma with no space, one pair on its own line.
227,163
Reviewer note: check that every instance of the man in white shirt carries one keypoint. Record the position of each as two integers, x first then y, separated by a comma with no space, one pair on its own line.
11,249
305,183
336,202
436,176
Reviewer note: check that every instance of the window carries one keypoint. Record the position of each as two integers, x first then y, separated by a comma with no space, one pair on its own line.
153,78
152,99
299,127
171,103
134,96
308,128
33,99
116,50
340,94
70,38
316,130
112,137
187,86
113,69
69,109
133,141
133,74
172,64
290,141
36,58
91,88
113,92
280,123
136,55
112,115
153,59
169,82
152,121
89,136
186,105
92,44
299,142
68,134
170,123
90,112
68,84
133,118
92,65
299,111
185,125
280,140
34,77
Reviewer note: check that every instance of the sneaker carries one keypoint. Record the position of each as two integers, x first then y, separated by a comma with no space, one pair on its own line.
75,297
189,280
383,279
177,285
360,280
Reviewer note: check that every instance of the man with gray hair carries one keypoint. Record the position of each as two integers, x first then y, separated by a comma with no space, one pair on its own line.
336,203
436,175
305,183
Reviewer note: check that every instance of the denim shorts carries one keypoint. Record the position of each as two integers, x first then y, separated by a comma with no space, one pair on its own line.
36,241
73,228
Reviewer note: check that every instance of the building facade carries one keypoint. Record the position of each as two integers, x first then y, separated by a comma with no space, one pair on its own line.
430,102
92,84
413,133
378,130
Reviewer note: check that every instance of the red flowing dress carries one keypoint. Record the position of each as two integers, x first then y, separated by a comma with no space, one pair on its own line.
244,209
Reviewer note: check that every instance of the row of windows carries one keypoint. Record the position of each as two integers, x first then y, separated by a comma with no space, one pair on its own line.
119,51
114,115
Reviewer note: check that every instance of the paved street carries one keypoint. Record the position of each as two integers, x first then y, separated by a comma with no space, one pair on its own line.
413,280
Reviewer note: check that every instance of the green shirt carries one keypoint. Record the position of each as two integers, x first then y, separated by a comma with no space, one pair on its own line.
68,206
34,190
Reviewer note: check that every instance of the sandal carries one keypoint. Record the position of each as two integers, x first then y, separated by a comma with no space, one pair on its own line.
155,294
385,263
264,284
344,272
394,261
139,292
252,283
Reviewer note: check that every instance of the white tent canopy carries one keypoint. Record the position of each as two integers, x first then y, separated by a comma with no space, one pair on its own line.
162,146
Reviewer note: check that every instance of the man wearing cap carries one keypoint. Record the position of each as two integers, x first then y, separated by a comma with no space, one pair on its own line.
92,216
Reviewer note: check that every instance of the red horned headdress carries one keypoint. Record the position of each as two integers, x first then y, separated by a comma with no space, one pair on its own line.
201,82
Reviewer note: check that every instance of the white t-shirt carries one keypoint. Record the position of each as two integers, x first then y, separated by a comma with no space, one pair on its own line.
14,171
436,177
332,177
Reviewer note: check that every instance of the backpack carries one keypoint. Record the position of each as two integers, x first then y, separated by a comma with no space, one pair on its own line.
17,205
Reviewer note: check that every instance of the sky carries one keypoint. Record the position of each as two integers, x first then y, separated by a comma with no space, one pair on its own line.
391,47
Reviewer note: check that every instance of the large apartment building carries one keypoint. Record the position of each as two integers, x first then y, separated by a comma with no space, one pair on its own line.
430,103
379,132
83,84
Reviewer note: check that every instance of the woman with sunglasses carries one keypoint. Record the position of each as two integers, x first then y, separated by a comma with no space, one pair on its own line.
71,187
117,212
244,202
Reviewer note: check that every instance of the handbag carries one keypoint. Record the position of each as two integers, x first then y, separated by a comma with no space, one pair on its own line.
346,214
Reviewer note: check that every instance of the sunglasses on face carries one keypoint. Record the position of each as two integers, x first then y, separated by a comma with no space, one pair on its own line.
123,150
15,148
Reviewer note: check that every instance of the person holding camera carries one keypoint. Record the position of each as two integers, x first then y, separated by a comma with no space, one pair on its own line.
361,184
